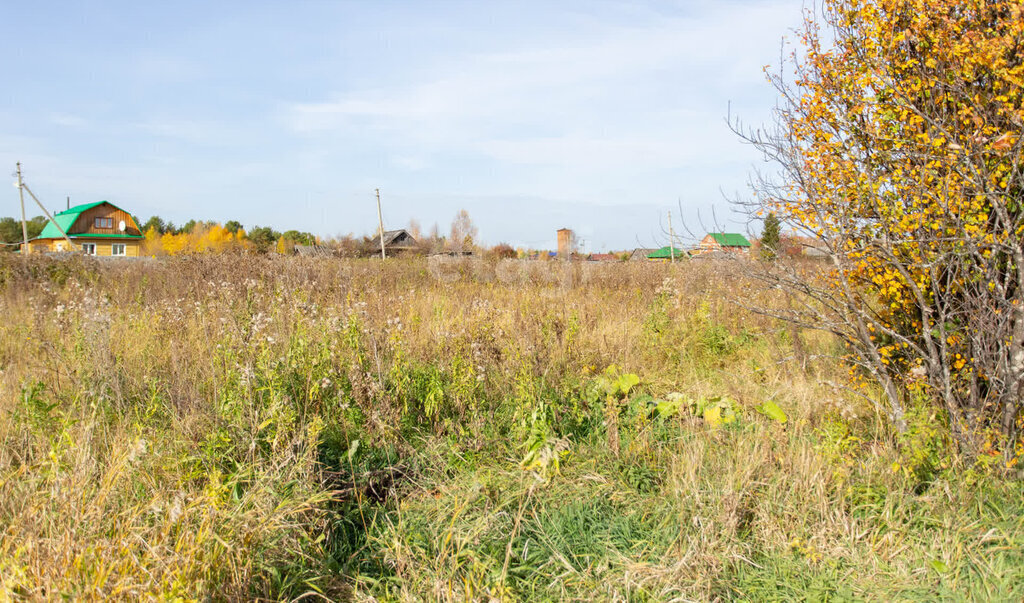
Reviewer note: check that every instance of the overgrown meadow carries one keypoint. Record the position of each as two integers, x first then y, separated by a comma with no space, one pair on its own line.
236,427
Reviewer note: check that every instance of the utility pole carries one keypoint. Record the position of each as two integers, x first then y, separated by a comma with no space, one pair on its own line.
380,222
71,244
24,227
671,239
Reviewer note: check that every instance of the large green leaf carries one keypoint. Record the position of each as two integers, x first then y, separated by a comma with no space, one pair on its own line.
626,382
772,411
673,405
717,411
713,416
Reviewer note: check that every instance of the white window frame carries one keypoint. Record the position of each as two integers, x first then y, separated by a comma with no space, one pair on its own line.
113,249
89,248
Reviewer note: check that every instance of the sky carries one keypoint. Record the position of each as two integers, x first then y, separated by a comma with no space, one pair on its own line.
600,116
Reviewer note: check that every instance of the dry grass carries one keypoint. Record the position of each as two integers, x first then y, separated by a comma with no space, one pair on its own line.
188,428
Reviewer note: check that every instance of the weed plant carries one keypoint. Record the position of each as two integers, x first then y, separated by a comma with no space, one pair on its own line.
233,427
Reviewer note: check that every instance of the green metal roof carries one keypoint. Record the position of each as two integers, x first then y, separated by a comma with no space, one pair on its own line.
66,219
666,253
730,239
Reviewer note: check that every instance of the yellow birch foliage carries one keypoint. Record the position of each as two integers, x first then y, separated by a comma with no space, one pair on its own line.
902,146
151,245
173,244
214,238
204,238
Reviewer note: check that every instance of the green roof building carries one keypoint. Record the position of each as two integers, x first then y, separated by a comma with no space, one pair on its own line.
99,228
665,253
725,241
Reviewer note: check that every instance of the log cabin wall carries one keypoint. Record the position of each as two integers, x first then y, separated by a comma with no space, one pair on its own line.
104,247
86,222
708,243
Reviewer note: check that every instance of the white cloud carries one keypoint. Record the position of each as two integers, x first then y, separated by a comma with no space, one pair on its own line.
535,80
614,96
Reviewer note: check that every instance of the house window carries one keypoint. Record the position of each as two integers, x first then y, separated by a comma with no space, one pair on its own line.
117,249
103,222
89,248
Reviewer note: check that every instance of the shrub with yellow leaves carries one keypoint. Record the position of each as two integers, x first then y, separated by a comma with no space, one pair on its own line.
899,142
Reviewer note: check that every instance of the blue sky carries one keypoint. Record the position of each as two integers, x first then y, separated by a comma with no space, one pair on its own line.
596,115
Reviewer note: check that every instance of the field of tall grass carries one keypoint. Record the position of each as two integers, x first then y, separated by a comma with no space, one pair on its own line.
239,427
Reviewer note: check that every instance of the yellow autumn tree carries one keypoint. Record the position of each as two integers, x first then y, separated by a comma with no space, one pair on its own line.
213,238
174,244
203,238
151,245
899,145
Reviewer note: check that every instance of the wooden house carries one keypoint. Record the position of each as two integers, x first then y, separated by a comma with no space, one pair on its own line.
100,229
724,241
396,241
313,251
640,254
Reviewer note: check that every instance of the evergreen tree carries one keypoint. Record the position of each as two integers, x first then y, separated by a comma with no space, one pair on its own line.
770,237
158,224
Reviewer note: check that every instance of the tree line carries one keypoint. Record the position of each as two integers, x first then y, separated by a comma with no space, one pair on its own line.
164,237
194,235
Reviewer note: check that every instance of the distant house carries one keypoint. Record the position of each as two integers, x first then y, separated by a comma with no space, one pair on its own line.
313,251
603,257
724,241
667,253
640,254
100,228
396,241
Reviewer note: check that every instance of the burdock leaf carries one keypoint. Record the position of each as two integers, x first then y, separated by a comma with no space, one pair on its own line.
772,411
